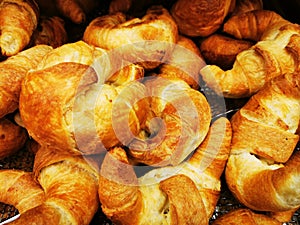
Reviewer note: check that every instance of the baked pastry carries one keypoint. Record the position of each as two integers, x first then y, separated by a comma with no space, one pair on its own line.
148,41
119,6
13,70
78,52
61,190
245,216
75,11
18,20
183,194
271,56
284,216
262,169
80,104
13,137
200,18
242,6
50,31
176,123
221,50
184,63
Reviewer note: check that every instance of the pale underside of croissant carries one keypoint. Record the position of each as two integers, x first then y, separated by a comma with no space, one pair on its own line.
271,56
18,20
62,190
13,71
263,169
183,194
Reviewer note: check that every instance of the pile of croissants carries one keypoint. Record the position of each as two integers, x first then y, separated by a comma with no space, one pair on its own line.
118,121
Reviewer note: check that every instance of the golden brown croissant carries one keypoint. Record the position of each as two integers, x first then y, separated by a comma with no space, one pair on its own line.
80,104
245,216
18,20
184,194
13,70
13,137
221,50
262,170
177,122
271,56
184,63
78,52
18,188
284,216
147,41
200,18
50,31
62,190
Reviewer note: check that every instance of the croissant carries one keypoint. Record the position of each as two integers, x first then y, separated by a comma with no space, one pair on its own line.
221,49
78,52
18,20
50,31
245,216
147,41
285,216
184,63
172,130
200,18
271,56
262,170
80,104
13,71
13,137
183,194
242,6
75,11
62,189
119,6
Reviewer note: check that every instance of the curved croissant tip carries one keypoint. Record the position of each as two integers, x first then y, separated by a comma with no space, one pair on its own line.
9,44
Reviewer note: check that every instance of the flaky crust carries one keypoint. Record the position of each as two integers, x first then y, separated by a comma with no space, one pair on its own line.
160,196
78,52
147,41
13,70
18,20
184,63
79,108
175,129
62,190
262,170
221,50
200,18
19,189
271,56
